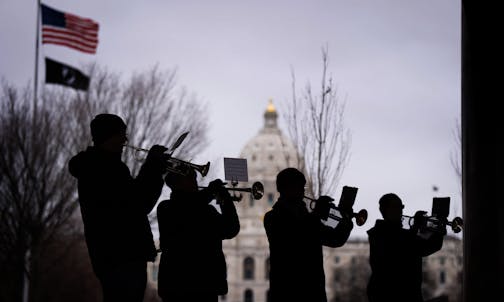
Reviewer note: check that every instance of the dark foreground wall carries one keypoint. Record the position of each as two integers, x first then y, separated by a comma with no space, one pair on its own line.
483,150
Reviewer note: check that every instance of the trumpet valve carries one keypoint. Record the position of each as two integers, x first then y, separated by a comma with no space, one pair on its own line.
237,197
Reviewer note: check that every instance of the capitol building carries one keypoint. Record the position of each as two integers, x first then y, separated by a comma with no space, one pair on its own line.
346,268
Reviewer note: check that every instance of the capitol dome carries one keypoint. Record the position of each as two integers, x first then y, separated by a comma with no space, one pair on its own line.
269,151
247,255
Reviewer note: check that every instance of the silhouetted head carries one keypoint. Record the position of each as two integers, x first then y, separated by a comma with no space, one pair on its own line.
108,132
290,184
391,207
182,183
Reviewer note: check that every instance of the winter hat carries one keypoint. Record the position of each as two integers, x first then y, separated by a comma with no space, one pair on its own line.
105,125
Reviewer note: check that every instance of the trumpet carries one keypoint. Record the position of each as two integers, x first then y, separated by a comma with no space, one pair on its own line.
179,166
176,165
360,217
434,222
257,191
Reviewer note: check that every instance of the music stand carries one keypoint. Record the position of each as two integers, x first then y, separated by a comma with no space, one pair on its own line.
440,207
235,170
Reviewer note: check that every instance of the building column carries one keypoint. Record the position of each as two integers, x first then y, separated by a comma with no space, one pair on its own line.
482,151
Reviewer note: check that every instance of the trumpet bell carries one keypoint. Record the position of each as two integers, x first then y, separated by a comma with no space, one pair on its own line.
457,224
203,169
257,190
361,217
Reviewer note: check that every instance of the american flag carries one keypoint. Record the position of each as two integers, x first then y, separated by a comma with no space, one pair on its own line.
69,30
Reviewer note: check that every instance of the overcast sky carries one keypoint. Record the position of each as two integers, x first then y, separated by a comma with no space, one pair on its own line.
396,62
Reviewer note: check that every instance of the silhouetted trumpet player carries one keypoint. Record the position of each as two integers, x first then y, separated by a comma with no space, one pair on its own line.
114,207
396,253
296,237
191,230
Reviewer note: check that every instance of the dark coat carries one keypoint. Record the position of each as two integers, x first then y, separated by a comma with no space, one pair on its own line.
295,240
114,208
191,233
396,262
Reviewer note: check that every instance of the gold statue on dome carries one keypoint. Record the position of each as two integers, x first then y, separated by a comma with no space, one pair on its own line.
271,107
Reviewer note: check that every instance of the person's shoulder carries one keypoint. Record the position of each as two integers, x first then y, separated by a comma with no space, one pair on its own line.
269,216
381,229
81,163
270,212
165,204
371,232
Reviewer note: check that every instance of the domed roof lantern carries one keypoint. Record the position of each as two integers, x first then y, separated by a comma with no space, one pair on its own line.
270,116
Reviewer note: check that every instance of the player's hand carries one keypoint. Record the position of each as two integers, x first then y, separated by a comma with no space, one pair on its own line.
420,219
218,189
157,157
322,206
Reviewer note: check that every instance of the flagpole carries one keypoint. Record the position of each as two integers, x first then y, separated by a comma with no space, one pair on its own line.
27,258
35,84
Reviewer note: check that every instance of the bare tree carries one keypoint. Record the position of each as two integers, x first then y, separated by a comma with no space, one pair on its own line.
316,127
155,109
38,199
456,155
